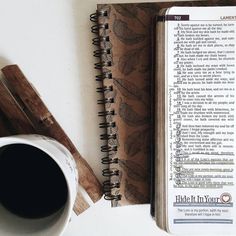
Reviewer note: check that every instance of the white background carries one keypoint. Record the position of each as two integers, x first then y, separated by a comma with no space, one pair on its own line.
51,42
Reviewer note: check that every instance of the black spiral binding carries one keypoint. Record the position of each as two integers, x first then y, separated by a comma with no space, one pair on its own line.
103,65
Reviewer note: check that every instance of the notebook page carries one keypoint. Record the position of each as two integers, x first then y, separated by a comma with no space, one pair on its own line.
200,119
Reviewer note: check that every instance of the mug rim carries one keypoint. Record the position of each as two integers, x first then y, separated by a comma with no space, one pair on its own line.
24,139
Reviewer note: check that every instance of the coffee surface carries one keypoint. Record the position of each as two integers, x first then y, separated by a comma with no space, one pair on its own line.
32,185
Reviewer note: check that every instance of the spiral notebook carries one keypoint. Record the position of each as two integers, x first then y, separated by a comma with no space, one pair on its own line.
123,37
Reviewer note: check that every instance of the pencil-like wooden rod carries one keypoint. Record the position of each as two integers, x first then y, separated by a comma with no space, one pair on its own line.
5,125
45,124
15,118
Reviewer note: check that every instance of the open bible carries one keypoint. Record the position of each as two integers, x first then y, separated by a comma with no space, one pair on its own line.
195,120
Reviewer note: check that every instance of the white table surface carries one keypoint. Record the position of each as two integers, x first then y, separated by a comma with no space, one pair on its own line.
51,41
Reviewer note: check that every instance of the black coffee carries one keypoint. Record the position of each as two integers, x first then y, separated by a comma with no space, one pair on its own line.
31,184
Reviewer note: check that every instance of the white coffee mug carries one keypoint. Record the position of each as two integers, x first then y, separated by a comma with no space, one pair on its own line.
53,225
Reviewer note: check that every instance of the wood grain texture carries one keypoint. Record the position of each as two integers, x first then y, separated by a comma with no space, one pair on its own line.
25,109
4,125
17,120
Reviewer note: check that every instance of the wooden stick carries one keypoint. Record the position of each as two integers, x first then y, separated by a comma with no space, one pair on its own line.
4,125
79,205
45,124
18,122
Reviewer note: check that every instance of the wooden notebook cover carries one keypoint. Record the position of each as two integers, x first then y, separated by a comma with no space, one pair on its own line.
130,36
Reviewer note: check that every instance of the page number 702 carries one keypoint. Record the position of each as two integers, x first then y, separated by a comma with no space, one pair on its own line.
177,17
